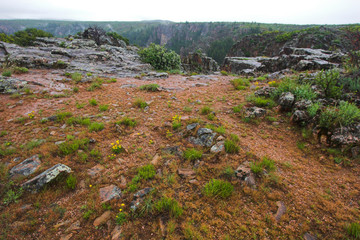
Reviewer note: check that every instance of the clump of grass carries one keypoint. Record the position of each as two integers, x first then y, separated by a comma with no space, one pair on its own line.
235,138
126,121
12,196
192,154
170,205
218,188
6,73
76,76
95,127
266,162
3,133
93,102
220,130
205,110
70,147
112,80
211,116
150,87
176,122
33,144
103,108
224,73
228,172
95,153
121,218
147,172
140,103
80,105
61,116
231,146
240,83
78,120
187,109
261,101
93,86
75,89
83,157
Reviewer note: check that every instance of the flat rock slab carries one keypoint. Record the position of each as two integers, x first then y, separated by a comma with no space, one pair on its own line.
218,147
92,172
102,219
186,173
36,183
281,210
110,192
308,236
27,167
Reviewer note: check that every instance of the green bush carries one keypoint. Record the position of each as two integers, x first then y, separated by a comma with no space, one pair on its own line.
313,109
354,230
6,73
71,181
170,205
261,101
192,154
160,58
345,115
218,188
95,127
28,36
329,82
118,36
12,196
150,87
147,172
301,91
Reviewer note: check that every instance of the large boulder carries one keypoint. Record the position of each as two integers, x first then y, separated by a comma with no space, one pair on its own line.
200,63
255,112
286,100
38,182
346,135
264,92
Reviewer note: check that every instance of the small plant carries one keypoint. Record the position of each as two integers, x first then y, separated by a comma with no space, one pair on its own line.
71,181
78,120
95,153
117,147
231,146
112,80
218,188
12,196
33,144
61,116
3,133
224,73
103,108
150,87
140,103
274,84
121,218
70,147
147,172
256,168
192,154
75,89
6,73
187,109
170,205
328,81
80,105
88,214
176,122
268,163
93,86
261,101
129,122
229,172
31,115
205,110
238,108
93,102
211,116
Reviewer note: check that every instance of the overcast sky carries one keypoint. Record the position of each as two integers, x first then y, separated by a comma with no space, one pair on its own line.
266,11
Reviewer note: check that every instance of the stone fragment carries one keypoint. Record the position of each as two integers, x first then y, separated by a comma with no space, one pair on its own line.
156,159
281,210
92,172
27,167
110,192
186,173
102,219
218,147
255,112
116,234
286,100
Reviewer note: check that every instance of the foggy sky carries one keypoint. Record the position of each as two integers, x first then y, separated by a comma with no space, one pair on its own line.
264,11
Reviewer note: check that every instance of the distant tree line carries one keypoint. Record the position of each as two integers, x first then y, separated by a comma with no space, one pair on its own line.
24,38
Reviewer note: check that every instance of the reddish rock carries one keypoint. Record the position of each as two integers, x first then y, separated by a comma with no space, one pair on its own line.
186,173
281,210
95,170
110,192
102,219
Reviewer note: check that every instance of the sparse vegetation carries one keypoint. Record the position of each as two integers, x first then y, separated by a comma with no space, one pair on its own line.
150,87
96,127
218,188
192,154
140,103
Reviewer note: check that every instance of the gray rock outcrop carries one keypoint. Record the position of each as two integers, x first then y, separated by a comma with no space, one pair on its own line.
199,63
27,167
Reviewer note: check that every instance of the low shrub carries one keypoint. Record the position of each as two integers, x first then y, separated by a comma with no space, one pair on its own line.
261,101
240,83
71,181
126,121
95,127
70,147
147,172
6,73
20,70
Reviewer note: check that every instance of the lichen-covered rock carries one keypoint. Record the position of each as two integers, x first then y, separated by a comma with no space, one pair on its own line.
302,104
139,198
255,112
36,183
10,85
346,135
218,147
243,170
199,63
286,100
264,92
300,116
205,137
27,167
110,192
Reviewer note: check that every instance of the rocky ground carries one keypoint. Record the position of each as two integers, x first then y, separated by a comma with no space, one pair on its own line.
306,195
